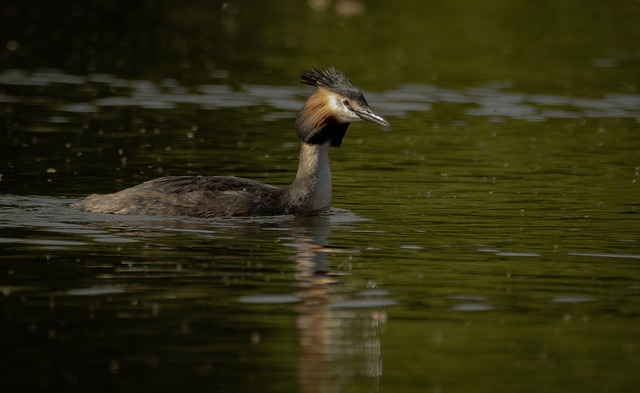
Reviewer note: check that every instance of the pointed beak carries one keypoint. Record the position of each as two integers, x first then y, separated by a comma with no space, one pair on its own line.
368,115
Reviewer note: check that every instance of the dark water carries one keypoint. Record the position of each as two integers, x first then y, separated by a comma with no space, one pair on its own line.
489,241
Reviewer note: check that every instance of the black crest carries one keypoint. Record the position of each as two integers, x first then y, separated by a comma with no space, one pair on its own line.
330,78
333,80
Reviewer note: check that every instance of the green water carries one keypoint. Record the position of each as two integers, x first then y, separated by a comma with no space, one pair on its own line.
488,241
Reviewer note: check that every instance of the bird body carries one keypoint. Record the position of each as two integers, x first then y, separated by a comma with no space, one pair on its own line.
322,122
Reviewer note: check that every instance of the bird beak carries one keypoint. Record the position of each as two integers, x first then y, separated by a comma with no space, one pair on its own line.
368,115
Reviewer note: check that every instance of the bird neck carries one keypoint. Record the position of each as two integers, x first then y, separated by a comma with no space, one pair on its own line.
311,189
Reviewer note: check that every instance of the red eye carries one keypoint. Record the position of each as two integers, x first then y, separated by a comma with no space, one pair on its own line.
345,102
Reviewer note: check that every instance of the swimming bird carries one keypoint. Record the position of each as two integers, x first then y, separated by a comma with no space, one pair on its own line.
322,122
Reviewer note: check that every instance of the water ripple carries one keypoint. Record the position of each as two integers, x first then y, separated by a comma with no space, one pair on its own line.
96,291
492,101
472,307
604,255
270,299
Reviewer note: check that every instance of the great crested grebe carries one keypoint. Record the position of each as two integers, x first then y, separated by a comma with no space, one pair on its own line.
322,122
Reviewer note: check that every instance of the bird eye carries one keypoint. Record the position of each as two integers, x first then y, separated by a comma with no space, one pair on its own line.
345,102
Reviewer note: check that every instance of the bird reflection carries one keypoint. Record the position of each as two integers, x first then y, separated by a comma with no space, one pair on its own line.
337,344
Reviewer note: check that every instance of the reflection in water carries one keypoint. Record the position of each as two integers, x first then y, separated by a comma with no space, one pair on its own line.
336,343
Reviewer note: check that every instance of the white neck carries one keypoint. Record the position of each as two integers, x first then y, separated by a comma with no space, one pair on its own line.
311,189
